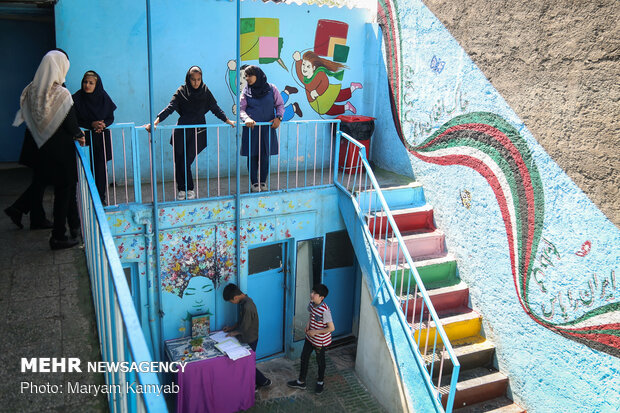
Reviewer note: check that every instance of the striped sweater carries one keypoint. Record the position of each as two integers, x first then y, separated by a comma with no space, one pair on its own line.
319,317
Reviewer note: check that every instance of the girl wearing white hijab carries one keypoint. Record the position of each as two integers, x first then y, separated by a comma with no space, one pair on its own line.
47,108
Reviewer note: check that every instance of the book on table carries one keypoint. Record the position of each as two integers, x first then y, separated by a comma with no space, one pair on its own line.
232,348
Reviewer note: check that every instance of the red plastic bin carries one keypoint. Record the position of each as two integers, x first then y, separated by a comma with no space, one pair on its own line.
359,128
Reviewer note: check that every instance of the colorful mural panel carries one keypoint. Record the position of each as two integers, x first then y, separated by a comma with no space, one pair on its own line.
260,40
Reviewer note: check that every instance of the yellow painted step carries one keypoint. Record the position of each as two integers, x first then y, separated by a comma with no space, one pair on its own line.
456,327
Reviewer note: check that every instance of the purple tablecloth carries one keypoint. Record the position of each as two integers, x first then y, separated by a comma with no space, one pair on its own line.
217,385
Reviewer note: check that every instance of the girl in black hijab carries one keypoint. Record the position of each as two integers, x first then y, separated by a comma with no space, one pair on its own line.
191,101
95,111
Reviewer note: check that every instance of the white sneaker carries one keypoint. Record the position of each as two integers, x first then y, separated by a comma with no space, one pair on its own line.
181,196
255,188
263,186
191,194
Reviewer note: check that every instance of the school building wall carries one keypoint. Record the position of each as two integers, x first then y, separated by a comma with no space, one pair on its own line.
197,253
541,260
113,42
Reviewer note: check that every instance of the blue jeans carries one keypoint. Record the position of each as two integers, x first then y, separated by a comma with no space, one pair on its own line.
261,380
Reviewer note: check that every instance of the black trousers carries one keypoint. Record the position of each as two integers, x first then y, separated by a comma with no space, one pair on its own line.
305,360
188,143
260,377
100,154
31,200
259,168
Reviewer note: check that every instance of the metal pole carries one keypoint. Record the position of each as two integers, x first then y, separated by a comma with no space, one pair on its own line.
153,307
238,140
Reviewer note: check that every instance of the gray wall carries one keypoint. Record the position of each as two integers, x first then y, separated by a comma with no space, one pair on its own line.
556,64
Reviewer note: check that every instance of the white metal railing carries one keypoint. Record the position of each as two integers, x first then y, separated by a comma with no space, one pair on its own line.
304,158
120,333
355,176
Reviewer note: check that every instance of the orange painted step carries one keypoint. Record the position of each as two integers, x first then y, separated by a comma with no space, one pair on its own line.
475,386
497,405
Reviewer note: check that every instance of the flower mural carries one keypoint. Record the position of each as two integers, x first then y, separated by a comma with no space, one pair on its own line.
197,255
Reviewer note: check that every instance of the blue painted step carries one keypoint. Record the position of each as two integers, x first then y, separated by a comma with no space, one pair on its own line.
398,197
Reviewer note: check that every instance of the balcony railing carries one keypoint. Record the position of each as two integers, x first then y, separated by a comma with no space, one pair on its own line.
305,158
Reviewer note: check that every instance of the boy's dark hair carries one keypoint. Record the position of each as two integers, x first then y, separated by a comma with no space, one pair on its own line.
231,291
321,289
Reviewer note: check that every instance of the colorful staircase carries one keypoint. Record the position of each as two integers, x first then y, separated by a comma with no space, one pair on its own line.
480,387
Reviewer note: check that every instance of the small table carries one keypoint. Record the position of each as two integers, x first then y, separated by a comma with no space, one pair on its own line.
215,384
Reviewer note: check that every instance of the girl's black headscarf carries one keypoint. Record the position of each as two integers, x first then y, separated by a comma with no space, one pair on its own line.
260,88
187,92
93,106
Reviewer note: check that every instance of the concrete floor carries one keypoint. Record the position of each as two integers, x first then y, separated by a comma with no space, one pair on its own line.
46,311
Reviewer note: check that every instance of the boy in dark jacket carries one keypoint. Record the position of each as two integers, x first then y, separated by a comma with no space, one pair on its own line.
247,327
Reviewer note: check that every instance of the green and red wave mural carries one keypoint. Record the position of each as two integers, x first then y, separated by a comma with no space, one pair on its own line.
488,144
491,146
387,12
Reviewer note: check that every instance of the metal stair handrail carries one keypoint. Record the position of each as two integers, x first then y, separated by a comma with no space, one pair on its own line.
362,161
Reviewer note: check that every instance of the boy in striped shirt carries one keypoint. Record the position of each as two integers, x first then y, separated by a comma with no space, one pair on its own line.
318,336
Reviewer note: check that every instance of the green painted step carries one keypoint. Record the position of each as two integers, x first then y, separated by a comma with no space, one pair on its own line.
434,272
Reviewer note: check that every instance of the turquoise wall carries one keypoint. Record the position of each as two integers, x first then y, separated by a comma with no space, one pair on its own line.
112,41
540,258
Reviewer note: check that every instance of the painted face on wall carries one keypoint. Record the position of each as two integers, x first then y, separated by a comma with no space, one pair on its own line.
89,83
307,69
195,297
195,79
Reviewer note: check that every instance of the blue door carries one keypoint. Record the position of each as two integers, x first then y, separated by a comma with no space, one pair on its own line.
266,286
339,276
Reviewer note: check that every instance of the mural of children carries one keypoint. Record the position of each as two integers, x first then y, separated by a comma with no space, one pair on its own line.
289,110
313,71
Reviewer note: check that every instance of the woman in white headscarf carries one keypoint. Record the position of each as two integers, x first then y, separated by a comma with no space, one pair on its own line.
47,108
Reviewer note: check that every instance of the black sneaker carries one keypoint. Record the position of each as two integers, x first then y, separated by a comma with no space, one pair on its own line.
296,385
15,215
319,388
59,244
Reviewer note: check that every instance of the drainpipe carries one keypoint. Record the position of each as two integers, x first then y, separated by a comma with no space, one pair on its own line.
159,348
143,218
238,140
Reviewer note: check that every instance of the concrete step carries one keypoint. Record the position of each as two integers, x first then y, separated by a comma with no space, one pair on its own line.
420,244
457,323
396,197
443,300
471,352
475,386
497,405
434,272
407,219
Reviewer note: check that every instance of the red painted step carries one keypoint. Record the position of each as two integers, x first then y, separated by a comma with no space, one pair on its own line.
443,299
409,219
